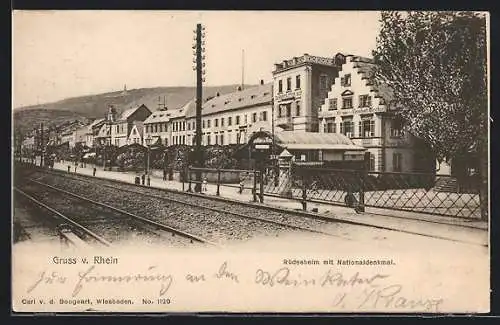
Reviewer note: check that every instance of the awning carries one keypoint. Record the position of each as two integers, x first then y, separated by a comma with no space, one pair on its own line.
352,152
322,146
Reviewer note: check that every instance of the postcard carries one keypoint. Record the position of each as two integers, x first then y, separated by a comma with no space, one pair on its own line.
250,161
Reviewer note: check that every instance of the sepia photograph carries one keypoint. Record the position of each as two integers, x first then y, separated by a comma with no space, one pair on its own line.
250,162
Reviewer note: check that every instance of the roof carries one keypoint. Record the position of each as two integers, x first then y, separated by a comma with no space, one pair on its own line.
96,121
139,126
314,140
366,67
158,116
258,95
128,112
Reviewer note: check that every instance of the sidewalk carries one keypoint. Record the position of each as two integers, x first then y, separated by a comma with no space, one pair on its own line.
442,226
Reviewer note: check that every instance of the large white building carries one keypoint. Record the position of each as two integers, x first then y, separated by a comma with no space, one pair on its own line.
300,86
363,111
227,118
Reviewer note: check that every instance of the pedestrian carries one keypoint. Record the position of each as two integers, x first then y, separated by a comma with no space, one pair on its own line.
94,171
76,166
149,181
205,181
143,179
164,174
69,168
242,186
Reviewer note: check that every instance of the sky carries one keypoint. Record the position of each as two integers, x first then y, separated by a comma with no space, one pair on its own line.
61,54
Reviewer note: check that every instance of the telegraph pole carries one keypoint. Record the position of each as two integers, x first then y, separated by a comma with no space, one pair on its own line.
41,145
199,49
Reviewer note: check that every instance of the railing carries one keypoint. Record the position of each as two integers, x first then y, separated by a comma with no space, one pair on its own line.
412,192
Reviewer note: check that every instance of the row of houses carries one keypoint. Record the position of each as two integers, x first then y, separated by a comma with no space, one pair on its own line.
309,98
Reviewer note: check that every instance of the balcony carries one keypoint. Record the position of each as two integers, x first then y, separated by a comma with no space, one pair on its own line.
285,122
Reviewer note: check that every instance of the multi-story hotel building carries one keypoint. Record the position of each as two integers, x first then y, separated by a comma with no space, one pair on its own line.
300,86
363,111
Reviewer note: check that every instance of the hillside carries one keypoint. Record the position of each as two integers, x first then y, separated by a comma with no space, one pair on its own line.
95,106
26,120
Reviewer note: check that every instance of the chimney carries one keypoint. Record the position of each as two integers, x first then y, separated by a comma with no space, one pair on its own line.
238,88
217,94
261,82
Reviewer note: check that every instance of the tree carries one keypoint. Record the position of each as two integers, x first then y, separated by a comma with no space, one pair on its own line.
435,64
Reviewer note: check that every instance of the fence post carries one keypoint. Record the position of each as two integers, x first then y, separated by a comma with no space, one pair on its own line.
182,175
261,181
190,190
304,193
254,189
362,179
218,182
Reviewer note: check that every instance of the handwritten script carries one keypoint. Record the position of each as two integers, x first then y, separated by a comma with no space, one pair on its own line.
353,291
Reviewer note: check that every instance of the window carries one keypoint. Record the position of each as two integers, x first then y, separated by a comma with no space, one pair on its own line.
208,123
216,136
237,120
189,126
288,84
347,102
208,139
396,129
156,127
330,127
216,122
367,129
254,117
365,101
229,120
117,128
347,128
297,82
165,126
280,86
323,82
246,119
297,109
397,159
264,116
372,162
203,123
183,139
161,127
183,126
346,80
332,104
222,121
222,138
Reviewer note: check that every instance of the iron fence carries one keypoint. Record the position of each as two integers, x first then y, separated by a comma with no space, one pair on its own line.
414,192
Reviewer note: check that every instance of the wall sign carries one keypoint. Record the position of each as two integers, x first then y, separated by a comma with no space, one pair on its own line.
289,95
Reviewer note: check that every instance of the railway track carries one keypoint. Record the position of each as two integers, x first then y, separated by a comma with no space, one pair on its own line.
299,220
103,223
222,213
